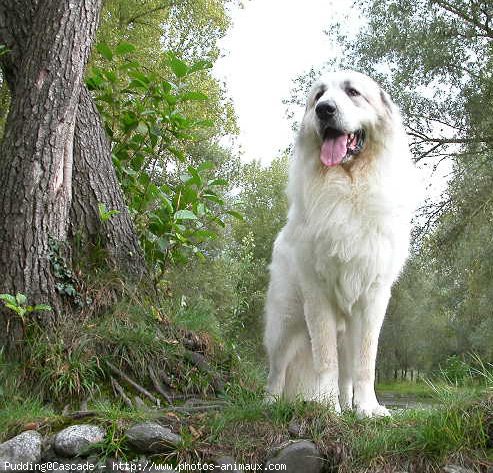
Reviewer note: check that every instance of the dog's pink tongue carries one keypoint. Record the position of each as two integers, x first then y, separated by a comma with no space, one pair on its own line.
333,150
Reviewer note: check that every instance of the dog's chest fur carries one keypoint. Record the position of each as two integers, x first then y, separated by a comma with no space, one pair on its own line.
354,232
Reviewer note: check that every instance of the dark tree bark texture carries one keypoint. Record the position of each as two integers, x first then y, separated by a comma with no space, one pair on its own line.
94,181
55,160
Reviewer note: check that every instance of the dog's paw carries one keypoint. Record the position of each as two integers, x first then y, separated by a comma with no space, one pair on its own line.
372,410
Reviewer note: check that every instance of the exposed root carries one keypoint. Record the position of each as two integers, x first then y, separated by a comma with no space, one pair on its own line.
136,385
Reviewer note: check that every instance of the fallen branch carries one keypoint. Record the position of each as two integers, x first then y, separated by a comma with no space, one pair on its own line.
119,390
159,387
137,386
139,403
81,414
192,409
201,363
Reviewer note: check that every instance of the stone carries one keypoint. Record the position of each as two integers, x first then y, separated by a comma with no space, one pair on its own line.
24,448
297,455
75,440
294,428
150,437
456,469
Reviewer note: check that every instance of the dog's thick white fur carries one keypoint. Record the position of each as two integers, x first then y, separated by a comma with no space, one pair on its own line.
344,244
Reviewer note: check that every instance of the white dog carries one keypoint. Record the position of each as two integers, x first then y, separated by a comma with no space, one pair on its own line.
352,192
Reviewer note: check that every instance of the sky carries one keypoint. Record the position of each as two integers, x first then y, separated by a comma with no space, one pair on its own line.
270,43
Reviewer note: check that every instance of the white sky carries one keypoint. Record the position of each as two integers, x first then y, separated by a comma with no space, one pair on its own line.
270,43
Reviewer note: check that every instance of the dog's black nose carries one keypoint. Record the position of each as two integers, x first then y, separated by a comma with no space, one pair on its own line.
325,110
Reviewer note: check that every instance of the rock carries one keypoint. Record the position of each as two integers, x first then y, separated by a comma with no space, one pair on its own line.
150,437
294,428
75,440
24,448
456,469
297,455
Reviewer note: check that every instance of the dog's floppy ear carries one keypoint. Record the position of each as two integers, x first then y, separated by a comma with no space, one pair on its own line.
387,102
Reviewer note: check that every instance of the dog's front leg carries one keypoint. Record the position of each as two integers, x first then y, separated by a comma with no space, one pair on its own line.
321,323
365,325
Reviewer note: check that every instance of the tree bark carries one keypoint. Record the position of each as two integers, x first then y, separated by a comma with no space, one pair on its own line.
94,182
36,154
55,160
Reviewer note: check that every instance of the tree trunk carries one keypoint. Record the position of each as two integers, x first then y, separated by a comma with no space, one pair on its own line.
36,153
94,182
55,161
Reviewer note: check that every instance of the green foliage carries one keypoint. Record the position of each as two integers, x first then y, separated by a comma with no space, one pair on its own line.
263,203
18,304
66,281
455,370
3,49
176,205
105,214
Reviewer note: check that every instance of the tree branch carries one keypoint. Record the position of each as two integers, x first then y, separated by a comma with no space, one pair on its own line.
136,17
468,18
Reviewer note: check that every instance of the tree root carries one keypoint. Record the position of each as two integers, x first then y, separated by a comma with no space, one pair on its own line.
134,384
119,390
202,364
158,386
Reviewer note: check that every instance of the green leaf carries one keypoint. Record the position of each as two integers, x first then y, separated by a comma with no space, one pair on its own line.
205,235
142,128
195,175
200,65
42,307
110,75
213,198
179,68
21,299
163,243
3,49
105,51
8,298
236,214
185,215
124,48
197,96
18,310
218,182
105,214
200,255
205,166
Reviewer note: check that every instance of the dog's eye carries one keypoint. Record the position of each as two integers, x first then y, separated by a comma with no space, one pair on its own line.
319,94
352,92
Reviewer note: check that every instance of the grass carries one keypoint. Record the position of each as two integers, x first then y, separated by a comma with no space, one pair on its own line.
426,438
420,390
247,428
136,334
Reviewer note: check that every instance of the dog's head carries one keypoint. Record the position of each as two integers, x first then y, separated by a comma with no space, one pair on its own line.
345,115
